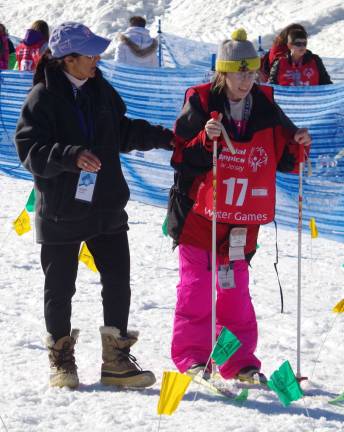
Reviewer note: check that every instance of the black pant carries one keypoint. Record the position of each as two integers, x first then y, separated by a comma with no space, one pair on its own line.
60,266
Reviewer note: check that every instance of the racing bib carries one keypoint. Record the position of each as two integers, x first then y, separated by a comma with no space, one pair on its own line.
246,184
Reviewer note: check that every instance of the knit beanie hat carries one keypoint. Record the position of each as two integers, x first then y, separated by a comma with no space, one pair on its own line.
237,54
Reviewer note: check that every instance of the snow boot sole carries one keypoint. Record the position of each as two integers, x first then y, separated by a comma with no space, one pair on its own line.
137,380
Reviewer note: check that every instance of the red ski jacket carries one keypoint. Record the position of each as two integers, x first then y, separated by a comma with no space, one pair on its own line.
28,55
245,199
311,71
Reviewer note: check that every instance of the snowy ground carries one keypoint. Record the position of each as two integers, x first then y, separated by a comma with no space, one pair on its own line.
199,20
27,404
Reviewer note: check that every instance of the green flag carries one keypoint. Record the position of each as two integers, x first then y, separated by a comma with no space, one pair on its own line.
30,203
226,345
242,396
164,226
339,400
284,383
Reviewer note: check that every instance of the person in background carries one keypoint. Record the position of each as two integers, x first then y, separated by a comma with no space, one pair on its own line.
136,47
33,46
265,140
280,45
70,133
278,49
300,67
4,47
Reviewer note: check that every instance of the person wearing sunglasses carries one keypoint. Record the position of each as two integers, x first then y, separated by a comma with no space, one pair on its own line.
300,67
71,131
278,49
264,141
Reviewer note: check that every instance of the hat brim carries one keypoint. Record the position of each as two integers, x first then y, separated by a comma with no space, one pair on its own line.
94,46
251,64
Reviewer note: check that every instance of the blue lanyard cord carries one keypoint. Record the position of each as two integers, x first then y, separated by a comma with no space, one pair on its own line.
86,122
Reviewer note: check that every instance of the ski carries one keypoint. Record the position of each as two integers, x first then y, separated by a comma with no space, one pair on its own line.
252,386
220,387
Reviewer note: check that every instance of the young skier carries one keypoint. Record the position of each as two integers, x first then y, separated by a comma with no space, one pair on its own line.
265,140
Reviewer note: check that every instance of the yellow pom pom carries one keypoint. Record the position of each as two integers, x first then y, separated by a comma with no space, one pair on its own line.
239,35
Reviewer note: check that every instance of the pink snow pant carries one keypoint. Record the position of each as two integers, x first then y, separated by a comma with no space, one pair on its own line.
191,340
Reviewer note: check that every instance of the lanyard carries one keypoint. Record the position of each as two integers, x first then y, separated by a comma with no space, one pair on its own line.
238,127
85,119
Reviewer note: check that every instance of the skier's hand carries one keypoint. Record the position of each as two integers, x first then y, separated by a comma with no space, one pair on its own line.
302,137
213,127
87,161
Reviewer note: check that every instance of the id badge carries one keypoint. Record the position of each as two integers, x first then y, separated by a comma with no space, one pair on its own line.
237,243
236,253
237,237
226,277
85,188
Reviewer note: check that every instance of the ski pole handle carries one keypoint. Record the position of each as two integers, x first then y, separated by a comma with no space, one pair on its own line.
214,115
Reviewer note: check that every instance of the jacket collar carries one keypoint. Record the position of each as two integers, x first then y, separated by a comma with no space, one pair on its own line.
306,58
57,82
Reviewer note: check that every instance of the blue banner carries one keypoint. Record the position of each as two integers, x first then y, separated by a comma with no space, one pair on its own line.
157,95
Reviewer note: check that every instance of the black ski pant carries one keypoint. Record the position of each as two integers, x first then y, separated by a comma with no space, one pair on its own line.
60,266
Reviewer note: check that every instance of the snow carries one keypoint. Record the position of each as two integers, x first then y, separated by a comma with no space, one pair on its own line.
28,404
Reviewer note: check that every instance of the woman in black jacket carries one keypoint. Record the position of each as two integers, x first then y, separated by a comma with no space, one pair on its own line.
69,136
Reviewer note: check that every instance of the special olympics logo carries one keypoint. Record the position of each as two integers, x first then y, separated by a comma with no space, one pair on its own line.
308,72
257,158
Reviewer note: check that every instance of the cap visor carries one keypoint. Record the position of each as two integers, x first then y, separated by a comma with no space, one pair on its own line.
94,46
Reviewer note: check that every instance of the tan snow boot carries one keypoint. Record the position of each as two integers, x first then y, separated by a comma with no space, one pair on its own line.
119,367
63,370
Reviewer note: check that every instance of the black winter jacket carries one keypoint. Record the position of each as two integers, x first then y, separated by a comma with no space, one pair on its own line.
49,138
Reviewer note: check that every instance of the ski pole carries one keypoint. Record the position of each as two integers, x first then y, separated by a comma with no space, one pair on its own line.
214,115
299,246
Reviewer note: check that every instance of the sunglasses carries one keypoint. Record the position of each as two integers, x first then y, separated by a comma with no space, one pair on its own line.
299,44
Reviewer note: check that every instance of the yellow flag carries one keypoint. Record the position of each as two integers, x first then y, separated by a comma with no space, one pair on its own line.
339,308
86,257
173,387
313,228
22,224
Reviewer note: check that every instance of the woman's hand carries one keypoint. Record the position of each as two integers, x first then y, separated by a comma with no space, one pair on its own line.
302,137
87,161
213,127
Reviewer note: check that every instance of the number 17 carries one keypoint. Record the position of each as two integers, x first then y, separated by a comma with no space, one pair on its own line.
230,183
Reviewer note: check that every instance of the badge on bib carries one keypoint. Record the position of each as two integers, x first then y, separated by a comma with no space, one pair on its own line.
85,188
237,237
226,277
237,243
